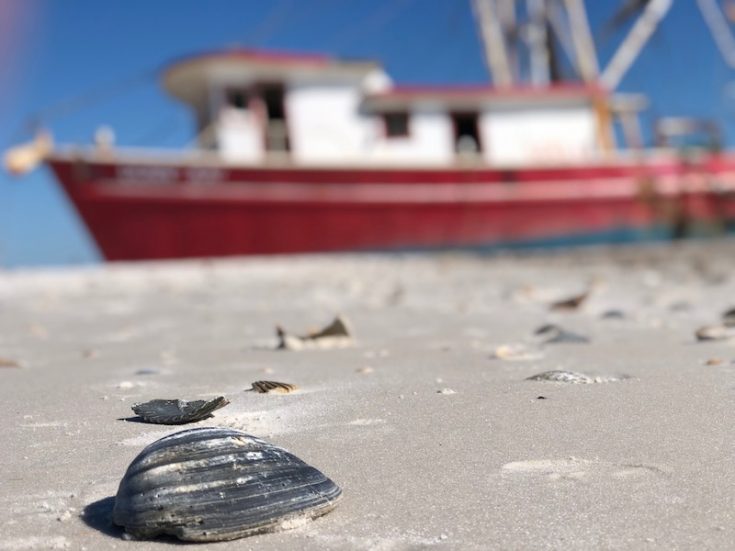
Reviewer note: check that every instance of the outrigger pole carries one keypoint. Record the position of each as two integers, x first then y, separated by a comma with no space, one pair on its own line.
633,44
493,39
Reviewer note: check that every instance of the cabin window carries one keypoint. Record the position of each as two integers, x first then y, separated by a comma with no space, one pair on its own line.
237,98
466,133
273,100
396,124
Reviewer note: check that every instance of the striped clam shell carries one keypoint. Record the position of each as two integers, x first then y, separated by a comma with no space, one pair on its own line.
215,484
272,387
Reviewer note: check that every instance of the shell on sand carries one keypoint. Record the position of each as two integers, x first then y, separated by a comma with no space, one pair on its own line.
518,351
552,333
570,303
215,484
178,412
273,387
728,317
335,335
572,377
715,333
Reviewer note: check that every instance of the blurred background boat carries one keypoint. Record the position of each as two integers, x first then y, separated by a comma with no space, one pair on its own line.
299,152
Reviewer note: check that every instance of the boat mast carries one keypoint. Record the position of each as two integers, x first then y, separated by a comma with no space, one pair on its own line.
538,42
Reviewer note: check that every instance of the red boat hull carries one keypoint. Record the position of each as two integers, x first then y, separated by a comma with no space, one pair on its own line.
153,211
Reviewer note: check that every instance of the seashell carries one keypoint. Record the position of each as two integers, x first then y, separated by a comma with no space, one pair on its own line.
7,362
572,377
715,333
216,484
551,334
272,387
613,314
177,412
571,303
728,318
335,335
518,351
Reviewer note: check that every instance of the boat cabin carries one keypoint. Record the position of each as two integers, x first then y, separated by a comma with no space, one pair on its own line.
256,107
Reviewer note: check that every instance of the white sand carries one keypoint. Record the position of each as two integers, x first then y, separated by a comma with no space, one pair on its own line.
437,445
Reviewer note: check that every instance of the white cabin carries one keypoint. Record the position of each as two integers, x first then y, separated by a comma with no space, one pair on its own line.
255,107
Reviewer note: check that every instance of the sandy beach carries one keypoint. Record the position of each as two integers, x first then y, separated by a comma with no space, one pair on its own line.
435,442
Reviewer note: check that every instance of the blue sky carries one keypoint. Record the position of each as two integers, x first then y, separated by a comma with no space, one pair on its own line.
62,49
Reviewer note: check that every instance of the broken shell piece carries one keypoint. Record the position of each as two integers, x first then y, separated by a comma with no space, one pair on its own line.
728,318
516,352
572,377
7,362
568,304
178,412
217,484
335,335
715,333
551,333
613,314
272,387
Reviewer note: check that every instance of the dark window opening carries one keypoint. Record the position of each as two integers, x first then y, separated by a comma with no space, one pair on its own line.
273,99
237,98
276,129
396,125
466,133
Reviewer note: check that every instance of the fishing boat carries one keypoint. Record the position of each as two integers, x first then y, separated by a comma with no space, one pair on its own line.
300,152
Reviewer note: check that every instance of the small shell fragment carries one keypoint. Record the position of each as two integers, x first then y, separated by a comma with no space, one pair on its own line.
552,334
570,303
272,387
7,362
613,314
217,484
335,335
715,333
728,317
517,352
572,377
178,412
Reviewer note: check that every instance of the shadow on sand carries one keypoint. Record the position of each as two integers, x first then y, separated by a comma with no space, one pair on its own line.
98,515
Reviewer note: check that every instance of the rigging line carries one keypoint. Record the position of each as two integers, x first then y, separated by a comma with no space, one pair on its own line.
379,19
162,130
77,103
449,44
275,18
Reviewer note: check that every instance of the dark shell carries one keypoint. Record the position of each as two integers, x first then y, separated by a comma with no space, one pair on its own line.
272,387
551,334
728,317
177,412
335,335
214,484
571,303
